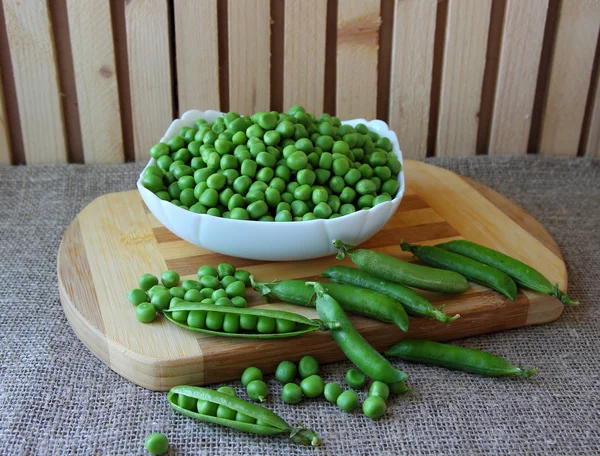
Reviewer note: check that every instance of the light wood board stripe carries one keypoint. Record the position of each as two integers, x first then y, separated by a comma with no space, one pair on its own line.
462,76
304,58
196,40
592,142
249,55
570,75
36,82
92,46
522,39
5,156
411,74
356,60
149,72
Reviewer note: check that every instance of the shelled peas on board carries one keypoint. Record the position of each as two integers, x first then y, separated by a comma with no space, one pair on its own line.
274,166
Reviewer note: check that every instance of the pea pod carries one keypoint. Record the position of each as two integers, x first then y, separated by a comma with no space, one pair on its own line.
354,346
413,302
473,270
457,358
396,270
270,423
289,323
523,274
353,299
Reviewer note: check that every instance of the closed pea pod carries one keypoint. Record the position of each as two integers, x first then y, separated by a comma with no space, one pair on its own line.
524,275
457,358
354,346
472,269
353,299
396,270
412,301
270,423
242,322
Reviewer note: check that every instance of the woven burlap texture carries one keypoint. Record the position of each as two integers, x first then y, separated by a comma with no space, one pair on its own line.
57,398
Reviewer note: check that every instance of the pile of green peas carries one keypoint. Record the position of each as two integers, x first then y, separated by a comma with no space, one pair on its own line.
274,167
222,286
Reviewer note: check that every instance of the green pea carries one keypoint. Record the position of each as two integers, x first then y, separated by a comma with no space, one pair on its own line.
300,132
161,300
243,418
337,184
277,183
379,389
374,406
283,206
322,211
207,292
284,172
248,322
223,301
284,326
231,323
238,301
225,269
170,279
209,281
365,201
299,208
227,390
187,197
348,195
197,319
137,296
182,170
308,366
225,281
283,216
218,294
319,195
145,312
322,176
254,131
325,142
332,391
348,401
285,128
193,295
340,166
381,199
287,197
191,285
214,320
175,143
286,372
157,443
303,192
223,146
216,181
158,150
236,288
180,315
163,195
174,301
378,158
272,197
265,325
312,386
266,159
239,213
267,120
207,408
365,187
198,208
239,137
251,374
352,177
152,182
390,187
201,175
225,196
265,175
186,182
398,387
365,171
291,393
394,164
383,172
296,161
257,209
306,177
242,153
346,209
226,413
183,155
236,201
156,289
356,379
308,216
377,183
257,390
334,203
305,145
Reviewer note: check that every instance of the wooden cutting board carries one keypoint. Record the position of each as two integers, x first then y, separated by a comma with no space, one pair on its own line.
115,239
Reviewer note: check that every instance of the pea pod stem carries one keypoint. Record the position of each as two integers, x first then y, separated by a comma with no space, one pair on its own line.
353,299
524,275
273,423
472,269
413,302
457,358
354,346
399,271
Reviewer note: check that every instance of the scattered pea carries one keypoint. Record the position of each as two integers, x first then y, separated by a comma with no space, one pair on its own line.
291,393
356,379
374,407
332,391
286,372
157,443
347,401
308,366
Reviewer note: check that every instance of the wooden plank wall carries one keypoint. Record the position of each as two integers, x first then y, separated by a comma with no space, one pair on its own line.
451,77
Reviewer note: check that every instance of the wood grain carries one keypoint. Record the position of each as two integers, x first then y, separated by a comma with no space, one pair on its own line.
36,82
592,141
149,72
114,240
462,76
570,75
356,60
520,53
411,74
5,156
196,41
304,54
90,29
249,71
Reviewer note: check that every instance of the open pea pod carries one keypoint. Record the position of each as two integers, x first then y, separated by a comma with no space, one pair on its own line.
258,420
240,322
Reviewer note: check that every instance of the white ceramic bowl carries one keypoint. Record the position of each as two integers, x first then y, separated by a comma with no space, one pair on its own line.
271,241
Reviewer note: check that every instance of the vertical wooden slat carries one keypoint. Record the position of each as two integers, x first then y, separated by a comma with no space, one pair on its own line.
592,141
304,54
4,141
34,68
357,49
570,75
148,53
197,51
412,64
520,53
249,55
462,76
92,47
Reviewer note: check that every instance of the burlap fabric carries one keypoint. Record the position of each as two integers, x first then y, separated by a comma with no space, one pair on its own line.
57,398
